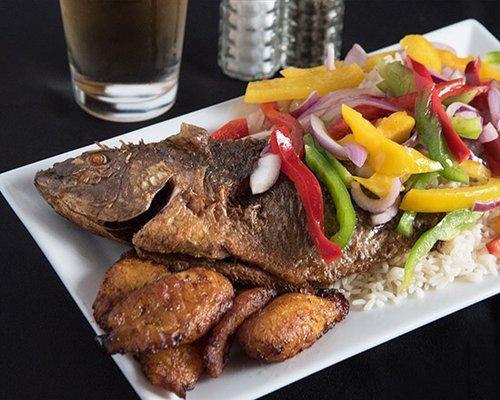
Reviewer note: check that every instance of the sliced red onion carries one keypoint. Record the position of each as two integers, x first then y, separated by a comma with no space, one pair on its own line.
480,206
266,150
443,46
356,153
331,99
330,57
266,173
336,110
357,55
255,121
321,135
412,140
375,205
494,105
386,216
488,134
458,107
305,105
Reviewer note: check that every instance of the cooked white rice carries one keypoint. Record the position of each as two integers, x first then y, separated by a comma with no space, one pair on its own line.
464,258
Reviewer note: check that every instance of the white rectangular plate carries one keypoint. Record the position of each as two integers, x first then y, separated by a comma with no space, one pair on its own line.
80,259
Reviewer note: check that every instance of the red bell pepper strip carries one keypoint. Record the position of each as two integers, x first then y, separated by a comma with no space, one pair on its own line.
472,72
421,74
405,102
454,142
235,129
493,245
280,119
338,129
308,189
423,80
492,155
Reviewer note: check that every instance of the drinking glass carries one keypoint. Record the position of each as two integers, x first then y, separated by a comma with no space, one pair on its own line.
124,55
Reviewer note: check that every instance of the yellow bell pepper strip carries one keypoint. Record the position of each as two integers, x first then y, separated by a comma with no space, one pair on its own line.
476,170
487,71
293,72
449,227
327,175
299,87
397,126
378,184
419,181
384,155
374,59
420,49
453,61
448,199
430,134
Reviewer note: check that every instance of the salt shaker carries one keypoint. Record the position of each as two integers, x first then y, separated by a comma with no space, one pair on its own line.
250,38
308,26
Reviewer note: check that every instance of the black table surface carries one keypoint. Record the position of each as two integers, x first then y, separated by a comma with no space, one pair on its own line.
47,347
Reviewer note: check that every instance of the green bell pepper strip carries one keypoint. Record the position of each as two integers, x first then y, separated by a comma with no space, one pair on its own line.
493,57
327,175
417,181
429,128
449,227
342,171
469,128
465,97
398,79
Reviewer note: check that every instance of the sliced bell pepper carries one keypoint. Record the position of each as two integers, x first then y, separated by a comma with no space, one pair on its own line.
449,227
420,49
447,199
338,129
452,60
378,184
235,129
325,172
341,171
398,79
384,155
292,72
430,134
421,74
397,126
280,118
493,246
456,145
308,189
419,181
405,102
489,72
472,72
374,59
476,170
299,87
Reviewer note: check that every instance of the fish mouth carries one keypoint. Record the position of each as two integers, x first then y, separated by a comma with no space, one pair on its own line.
125,230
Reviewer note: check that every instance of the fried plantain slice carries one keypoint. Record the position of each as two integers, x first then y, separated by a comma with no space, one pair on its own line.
220,339
176,370
289,324
126,275
173,310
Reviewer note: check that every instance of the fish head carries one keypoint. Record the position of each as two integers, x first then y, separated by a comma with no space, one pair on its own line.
114,191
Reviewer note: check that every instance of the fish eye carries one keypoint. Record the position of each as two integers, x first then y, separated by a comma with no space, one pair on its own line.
98,159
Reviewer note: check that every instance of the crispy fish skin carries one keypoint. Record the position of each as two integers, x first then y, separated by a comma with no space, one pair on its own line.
173,310
219,342
175,370
289,324
123,277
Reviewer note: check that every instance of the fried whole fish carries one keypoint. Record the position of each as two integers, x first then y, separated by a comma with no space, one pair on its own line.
187,198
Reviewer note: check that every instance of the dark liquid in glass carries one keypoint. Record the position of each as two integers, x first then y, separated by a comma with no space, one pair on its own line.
124,41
